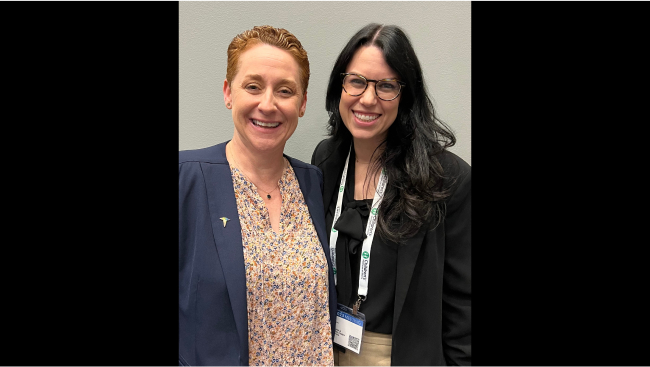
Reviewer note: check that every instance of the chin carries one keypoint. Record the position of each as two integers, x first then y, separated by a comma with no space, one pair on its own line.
264,145
365,135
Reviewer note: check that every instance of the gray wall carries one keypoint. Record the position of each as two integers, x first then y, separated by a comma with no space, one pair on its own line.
440,33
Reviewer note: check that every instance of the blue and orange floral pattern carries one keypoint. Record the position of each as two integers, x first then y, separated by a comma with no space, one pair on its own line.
286,279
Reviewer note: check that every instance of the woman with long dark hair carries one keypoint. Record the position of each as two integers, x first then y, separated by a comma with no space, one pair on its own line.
398,210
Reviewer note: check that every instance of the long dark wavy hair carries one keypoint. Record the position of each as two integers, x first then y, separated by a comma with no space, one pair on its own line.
414,141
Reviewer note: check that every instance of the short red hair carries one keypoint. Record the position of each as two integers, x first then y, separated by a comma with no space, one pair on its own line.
278,37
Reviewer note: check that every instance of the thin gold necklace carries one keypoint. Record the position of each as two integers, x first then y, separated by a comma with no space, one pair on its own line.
268,193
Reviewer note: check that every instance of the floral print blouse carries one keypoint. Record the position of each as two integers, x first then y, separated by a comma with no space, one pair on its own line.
286,279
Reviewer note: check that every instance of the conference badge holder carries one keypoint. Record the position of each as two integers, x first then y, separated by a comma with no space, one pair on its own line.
349,328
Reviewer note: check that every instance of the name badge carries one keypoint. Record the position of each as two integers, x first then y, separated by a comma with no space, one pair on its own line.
349,328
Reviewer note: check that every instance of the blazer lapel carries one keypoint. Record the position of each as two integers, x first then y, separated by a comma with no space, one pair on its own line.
333,161
407,256
314,203
222,203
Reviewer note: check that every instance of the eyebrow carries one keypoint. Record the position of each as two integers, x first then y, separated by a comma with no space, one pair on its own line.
390,78
258,77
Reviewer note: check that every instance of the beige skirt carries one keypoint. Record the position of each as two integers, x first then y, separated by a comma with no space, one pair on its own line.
375,351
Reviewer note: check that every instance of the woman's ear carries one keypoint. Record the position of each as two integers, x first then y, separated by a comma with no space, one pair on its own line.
303,106
227,96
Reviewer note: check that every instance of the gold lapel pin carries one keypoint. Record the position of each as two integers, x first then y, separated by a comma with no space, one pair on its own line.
224,219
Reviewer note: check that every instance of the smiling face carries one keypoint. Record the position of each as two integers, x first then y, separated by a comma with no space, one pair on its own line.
366,116
266,98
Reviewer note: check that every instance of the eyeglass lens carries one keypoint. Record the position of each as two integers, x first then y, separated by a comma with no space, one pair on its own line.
355,85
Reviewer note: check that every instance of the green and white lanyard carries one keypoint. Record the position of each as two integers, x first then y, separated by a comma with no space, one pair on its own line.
370,229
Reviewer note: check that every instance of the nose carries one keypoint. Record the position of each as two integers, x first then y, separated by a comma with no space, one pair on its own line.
368,97
267,102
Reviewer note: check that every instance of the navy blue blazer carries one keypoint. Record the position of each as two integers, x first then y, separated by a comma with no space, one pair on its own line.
213,319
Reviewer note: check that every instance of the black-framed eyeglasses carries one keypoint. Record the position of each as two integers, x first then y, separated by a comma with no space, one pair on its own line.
385,89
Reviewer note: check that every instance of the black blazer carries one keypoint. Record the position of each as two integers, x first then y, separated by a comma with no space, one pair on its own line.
213,320
432,310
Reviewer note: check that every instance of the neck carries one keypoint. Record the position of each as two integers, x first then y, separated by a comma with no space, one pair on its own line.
265,168
364,149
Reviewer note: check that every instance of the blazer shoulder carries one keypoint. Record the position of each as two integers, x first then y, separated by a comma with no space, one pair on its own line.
458,175
213,154
322,151
300,165
453,165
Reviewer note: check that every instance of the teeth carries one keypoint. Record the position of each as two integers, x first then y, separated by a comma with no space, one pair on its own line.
265,124
366,117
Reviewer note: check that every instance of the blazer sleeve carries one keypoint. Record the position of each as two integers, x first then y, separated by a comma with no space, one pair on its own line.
456,297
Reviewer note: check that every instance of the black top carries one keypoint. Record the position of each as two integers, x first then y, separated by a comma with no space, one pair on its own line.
351,227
